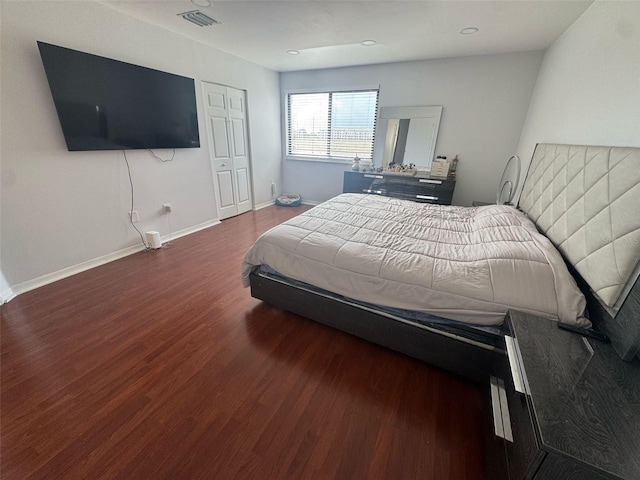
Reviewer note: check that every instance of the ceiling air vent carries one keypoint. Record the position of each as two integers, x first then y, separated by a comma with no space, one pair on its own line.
199,18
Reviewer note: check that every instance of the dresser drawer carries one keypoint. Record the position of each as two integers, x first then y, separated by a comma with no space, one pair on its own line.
424,190
417,189
427,197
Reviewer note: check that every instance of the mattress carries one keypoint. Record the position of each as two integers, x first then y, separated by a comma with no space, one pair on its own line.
461,263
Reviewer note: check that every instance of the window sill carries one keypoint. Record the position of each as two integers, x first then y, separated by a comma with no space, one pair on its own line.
340,161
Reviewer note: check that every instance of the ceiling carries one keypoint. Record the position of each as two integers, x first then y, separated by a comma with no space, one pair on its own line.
328,33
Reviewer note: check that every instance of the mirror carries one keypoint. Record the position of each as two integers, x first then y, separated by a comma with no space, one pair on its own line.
407,135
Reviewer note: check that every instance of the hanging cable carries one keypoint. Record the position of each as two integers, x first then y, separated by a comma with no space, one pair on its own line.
168,242
162,159
146,247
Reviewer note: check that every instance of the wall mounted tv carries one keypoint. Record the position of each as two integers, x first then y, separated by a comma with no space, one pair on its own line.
105,104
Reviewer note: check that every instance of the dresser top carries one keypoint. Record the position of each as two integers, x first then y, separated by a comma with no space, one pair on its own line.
585,399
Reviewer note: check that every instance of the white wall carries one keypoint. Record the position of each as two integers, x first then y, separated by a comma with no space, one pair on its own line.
588,89
60,208
484,99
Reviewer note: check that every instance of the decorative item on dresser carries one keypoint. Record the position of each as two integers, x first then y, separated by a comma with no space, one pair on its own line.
440,167
408,187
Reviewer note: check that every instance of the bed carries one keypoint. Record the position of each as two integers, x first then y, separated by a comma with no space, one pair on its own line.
436,282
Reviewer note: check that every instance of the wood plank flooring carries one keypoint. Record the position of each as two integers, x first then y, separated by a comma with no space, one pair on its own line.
160,365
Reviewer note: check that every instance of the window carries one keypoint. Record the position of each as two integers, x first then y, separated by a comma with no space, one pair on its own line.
332,125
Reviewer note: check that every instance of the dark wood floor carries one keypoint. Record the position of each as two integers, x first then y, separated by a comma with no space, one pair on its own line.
160,365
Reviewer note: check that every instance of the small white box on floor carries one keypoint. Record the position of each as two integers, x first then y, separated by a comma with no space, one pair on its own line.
153,240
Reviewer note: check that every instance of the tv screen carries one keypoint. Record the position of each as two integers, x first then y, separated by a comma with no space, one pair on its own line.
105,104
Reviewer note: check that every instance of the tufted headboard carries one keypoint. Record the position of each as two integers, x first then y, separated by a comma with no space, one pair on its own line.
586,200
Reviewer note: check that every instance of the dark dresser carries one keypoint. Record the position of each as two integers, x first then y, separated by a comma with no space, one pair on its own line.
418,189
564,407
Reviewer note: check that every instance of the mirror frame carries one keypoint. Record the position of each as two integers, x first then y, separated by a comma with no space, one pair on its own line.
388,113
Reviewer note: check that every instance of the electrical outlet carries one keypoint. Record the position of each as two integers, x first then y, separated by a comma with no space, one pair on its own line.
133,215
273,187
167,207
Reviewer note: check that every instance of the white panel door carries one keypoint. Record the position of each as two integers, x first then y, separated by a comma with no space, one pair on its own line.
220,148
225,184
229,147
240,148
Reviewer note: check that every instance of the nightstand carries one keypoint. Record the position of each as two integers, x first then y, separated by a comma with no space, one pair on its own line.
564,407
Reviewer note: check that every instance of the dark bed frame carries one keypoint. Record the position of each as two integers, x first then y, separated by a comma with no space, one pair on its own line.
457,352
434,344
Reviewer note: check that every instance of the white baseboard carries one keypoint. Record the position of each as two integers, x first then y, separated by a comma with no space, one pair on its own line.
72,270
272,202
43,280
304,202
7,295
194,229
264,205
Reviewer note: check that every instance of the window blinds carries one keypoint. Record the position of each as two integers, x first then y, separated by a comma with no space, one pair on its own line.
332,125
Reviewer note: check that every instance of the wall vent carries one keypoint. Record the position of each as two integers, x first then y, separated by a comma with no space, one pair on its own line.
199,18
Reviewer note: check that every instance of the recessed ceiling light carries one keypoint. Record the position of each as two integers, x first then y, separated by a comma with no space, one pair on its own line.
293,52
469,30
368,43
202,3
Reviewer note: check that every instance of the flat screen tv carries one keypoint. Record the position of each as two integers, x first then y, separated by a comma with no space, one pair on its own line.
105,104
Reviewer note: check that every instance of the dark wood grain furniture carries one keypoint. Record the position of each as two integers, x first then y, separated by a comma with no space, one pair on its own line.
419,189
565,407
